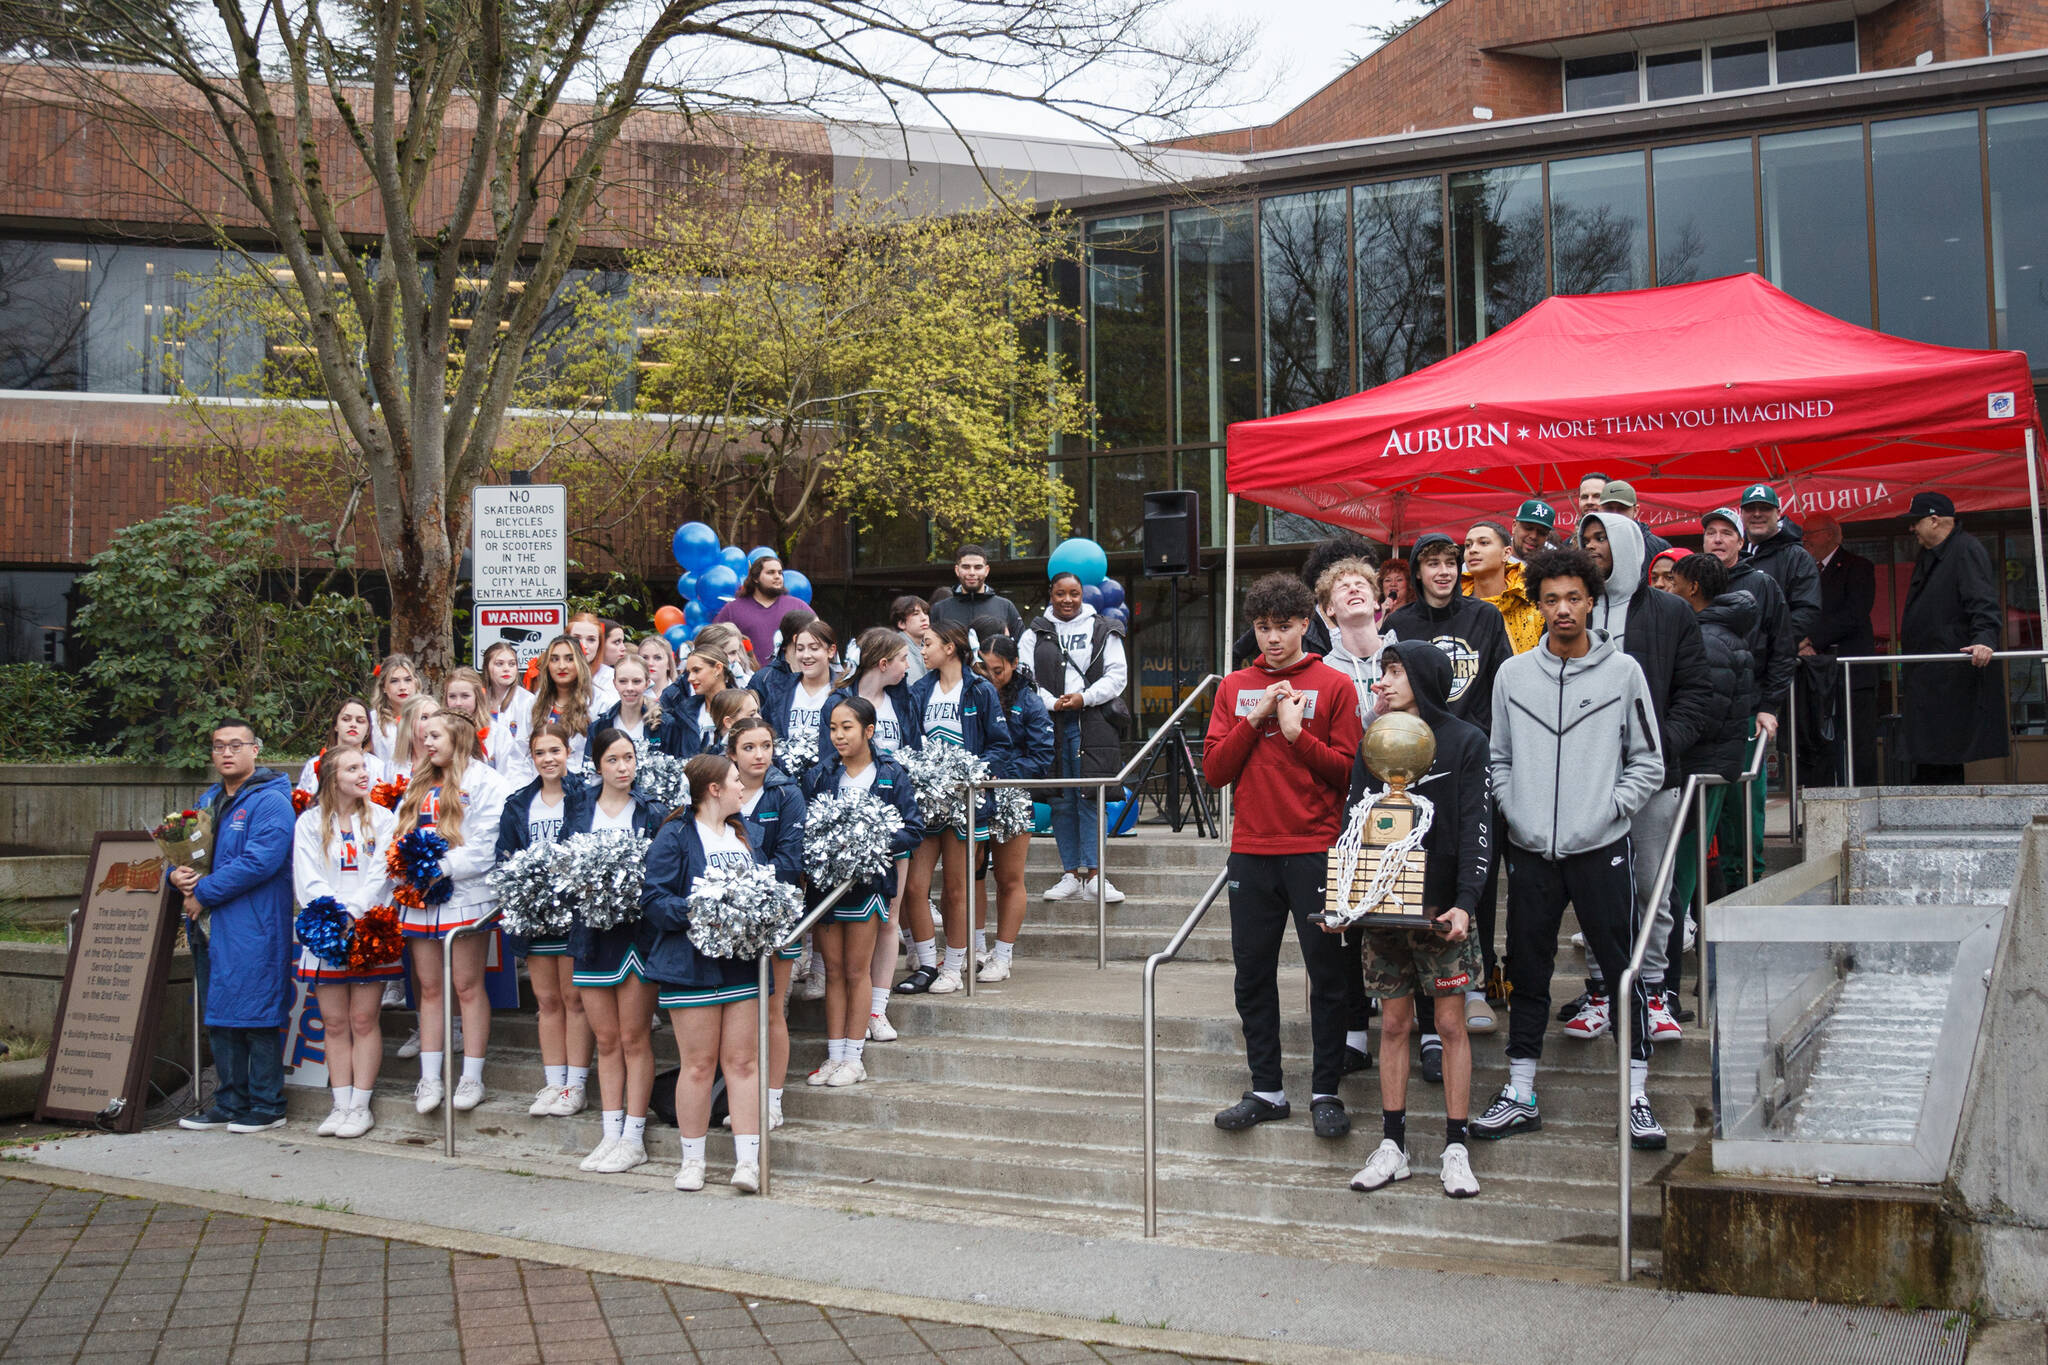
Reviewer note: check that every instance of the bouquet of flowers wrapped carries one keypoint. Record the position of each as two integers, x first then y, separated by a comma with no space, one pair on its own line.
1013,815
848,837
938,774
601,874
797,752
741,912
185,838
533,893
389,794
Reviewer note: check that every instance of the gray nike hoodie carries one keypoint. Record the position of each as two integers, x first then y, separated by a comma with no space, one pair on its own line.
1574,748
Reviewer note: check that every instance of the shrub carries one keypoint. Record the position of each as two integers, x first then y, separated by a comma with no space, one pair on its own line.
48,711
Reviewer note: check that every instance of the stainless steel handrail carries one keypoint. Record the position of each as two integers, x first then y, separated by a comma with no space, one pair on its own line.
763,965
1849,712
1750,777
448,1023
1624,992
1102,786
1152,966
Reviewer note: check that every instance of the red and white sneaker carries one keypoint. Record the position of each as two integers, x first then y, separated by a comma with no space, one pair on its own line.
1591,1021
1663,1024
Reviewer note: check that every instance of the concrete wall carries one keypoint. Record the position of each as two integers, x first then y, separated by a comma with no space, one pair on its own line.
32,977
58,807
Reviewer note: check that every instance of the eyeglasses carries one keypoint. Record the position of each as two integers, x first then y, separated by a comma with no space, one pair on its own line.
234,746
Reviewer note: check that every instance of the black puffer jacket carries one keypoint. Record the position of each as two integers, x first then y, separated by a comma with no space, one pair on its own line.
1785,558
1472,636
1725,628
1772,646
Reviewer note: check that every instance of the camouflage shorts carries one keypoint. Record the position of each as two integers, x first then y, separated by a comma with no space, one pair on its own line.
1401,962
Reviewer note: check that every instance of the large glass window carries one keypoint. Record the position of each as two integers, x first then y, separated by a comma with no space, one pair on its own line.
1496,249
1599,225
1303,256
1214,319
2019,229
1127,329
46,291
1400,229
1121,483
1816,239
1674,75
1741,66
1930,229
1600,82
1706,211
1811,54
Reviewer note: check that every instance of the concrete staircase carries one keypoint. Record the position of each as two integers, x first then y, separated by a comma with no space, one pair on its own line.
1024,1103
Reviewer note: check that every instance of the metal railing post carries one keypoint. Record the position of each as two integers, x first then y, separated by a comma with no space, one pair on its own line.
967,972
1151,1040
1792,755
1895,660
1699,901
1849,730
1102,877
448,1025
764,966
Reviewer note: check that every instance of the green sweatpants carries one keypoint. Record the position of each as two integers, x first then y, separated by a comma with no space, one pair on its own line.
1687,874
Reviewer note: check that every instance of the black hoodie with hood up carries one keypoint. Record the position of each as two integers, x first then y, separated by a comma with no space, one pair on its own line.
1459,843
1470,632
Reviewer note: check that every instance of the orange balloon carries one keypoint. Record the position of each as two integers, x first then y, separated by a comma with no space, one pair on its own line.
664,617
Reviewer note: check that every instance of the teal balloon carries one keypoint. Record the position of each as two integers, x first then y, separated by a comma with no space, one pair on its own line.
1084,559
715,587
796,585
686,587
760,552
678,636
696,546
734,558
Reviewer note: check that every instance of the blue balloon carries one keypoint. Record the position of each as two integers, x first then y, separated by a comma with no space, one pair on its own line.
696,546
1120,615
1091,596
763,552
734,558
715,587
694,616
678,636
796,585
1112,593
686,587
1082,558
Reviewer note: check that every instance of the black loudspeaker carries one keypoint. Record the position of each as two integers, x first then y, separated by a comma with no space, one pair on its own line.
1173,527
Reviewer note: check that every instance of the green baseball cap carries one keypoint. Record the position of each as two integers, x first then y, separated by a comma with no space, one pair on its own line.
1537,512
1760,493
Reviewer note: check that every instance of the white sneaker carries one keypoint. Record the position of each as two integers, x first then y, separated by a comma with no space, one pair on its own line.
946,982
1457,1172
599,1152
469,1093
880,1030
813,987
394,996
1664,1026
332,1123
996,970
746,1177
544,1100
428,1094
1591,1021
1692,933
774,1114
691,1177
1386,1165
1579,942
823,1075
410,1048
1065,889
849,1073
624,1155
358,1122
568,1100
1110,895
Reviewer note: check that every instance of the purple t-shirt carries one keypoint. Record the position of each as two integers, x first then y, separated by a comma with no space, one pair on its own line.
756,622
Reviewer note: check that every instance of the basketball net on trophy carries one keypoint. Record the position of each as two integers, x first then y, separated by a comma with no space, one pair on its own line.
1372,879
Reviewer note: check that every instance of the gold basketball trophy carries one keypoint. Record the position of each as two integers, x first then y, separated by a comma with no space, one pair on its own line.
1375,870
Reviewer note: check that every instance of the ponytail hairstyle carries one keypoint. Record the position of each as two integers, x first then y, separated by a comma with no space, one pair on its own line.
877,645
331,797
725,705
575,705
650,700
821,631
606,739
746,725
864,712
554,729
704,772
409,719
387,709
448,778
955,636
714,658
1003,647
477,686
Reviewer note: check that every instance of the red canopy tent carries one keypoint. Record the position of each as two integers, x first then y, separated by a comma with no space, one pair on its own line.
1691,392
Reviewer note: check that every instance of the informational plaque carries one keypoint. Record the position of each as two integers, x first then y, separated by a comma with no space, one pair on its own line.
114,981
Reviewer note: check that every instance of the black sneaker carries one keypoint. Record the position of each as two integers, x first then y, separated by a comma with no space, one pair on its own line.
1355,1060
1564,1015
1507,1114
1678,1011
1433,1053
918,982
1645,1134
205,1121
1249,1111
1330,1119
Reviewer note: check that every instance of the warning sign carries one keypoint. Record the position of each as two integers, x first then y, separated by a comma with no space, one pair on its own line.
526,626
519,543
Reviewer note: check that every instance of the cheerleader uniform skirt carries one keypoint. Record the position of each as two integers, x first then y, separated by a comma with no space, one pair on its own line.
677,998
439,921
608,957
317,971
538,947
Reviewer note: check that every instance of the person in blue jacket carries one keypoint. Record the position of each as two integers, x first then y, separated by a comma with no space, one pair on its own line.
536,813
855,764
1030,756
238,919
612,973
800,704
955,705
772,808
685,731
710,1000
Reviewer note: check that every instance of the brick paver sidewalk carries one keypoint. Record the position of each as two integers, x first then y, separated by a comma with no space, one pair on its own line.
105,1278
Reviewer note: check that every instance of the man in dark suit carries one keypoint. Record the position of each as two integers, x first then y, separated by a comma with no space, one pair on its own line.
1848,591
1954,713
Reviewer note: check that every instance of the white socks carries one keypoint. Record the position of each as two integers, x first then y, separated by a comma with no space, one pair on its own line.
472,1069
1476,995
614,1122
1638,1079
635,1129
1522,1076
854,1047
927,950
579,1076
430,1065
558,1076
360,1099
1359,1039
835,1049
1003,951
1429,1038
980,942
746,1149
878,1000
693,1149
344,1096
956,960
1272,1096
774,1097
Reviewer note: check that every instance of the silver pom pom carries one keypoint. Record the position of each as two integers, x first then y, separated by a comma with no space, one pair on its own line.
848,837
658,776
741,912
1014,815
938,774
602,872
533,895
797,752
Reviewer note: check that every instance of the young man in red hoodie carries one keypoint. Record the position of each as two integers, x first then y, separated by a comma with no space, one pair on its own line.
1284,732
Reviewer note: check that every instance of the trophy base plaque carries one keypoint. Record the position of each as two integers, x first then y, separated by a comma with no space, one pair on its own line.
1388,823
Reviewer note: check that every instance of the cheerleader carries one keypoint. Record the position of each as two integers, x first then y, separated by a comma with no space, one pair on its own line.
536,814
461,798
395,682
800,707
847,936
338,849
564,695
351,731
636,712
772,808
587,629
660,659
729,642
409,745
687,730
727,709
508,710
1030,755
955,706
711,1000
462,692
612,972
